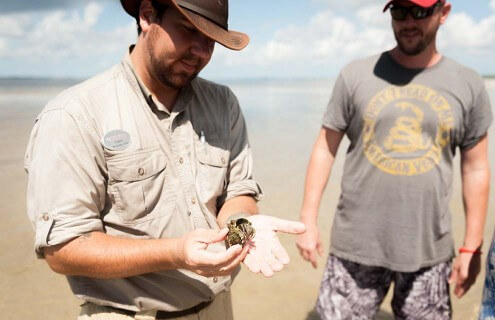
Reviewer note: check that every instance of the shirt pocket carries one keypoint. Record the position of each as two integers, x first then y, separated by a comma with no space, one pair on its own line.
213,163
139,186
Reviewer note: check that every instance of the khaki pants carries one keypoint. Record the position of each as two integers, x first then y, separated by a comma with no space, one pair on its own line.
219,309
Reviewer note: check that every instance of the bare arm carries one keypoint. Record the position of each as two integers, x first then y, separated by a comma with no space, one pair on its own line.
475,172
318,172
235,205
99,255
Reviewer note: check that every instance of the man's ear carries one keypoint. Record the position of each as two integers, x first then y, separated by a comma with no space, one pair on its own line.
445,12
146,15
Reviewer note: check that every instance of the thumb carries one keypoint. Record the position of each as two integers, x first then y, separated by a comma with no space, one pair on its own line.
212,235
453,276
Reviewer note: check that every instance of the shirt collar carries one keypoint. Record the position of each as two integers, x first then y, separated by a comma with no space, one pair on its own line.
185,95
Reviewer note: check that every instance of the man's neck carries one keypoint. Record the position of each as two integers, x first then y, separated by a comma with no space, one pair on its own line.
164,94
426,59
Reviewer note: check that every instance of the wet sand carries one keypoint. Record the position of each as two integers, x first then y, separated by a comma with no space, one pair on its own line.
281,145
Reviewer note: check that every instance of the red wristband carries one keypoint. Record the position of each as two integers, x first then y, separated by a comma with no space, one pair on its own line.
467,250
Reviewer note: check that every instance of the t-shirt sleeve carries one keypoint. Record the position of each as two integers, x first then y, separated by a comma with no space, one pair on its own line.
478,118
337,115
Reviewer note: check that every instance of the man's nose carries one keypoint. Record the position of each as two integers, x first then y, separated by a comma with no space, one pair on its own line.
202,46
409,20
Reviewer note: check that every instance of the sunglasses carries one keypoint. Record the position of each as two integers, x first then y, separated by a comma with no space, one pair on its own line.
399,13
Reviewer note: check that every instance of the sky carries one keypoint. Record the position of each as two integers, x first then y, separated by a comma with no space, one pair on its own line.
290,39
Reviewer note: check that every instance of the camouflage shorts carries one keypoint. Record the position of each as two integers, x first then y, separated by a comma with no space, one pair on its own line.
352,291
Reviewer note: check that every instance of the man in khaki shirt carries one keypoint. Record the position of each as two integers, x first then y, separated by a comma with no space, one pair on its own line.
133,173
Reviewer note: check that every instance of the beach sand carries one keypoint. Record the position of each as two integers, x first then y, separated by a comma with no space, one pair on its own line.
30,290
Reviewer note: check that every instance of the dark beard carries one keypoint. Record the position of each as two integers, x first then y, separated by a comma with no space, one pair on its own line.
163,72
426,40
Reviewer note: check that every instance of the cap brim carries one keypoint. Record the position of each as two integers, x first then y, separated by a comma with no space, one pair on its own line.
421,3
228,38
231,39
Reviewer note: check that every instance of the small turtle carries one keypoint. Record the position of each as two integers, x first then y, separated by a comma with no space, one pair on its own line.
240,231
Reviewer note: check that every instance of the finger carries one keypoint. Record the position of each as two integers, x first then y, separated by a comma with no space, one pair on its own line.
251,264
453,276
265,269
211,235
319,248
274,263
280,253
232,265
305,254
459,291
287,226
216,259
313,259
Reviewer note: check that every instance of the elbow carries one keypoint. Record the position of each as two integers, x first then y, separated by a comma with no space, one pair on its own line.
55,260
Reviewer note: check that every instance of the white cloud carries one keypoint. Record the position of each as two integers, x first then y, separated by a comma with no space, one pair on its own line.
492,5
14,25
349,4
463,32
66,34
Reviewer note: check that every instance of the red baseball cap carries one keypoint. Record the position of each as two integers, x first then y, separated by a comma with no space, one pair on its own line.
421,3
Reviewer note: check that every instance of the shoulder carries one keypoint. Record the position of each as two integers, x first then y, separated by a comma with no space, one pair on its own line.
77,97
359,70
359,66
466,75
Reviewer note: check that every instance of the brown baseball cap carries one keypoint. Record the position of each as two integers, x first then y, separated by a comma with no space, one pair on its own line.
210,17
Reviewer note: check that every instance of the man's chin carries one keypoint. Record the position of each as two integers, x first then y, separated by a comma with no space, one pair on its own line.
411,50
181,80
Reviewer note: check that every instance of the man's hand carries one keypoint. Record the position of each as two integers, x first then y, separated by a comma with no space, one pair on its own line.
193,255
266,255
309,244
464,272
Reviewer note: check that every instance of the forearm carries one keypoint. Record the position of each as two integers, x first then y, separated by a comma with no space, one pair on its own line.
475,172
475,195
245,204
318,172
99,255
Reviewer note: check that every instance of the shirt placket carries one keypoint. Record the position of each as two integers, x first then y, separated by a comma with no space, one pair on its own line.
181,146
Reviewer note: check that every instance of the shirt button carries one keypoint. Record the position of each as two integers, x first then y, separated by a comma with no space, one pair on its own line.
46,217
181,161
141,171
215,279
193,200
223,160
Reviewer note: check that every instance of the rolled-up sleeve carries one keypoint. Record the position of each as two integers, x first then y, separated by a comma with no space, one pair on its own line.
66,178
240,179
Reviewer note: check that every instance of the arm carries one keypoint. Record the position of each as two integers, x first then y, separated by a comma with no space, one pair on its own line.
99,255
245,204
318,172
475,172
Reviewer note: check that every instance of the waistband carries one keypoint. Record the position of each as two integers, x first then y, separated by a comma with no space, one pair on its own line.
162,315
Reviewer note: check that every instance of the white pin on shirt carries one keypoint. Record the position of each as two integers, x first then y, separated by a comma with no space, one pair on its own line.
202,137
116,140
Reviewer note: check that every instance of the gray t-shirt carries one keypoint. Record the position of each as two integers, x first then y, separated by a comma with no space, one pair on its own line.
404,126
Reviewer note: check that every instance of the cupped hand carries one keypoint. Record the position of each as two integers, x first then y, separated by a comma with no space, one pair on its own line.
309,244
193,254
266,255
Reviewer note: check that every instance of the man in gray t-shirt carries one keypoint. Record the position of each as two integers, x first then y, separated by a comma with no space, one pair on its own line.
405,112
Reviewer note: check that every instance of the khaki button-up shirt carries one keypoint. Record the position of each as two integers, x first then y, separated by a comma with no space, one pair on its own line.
160,175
